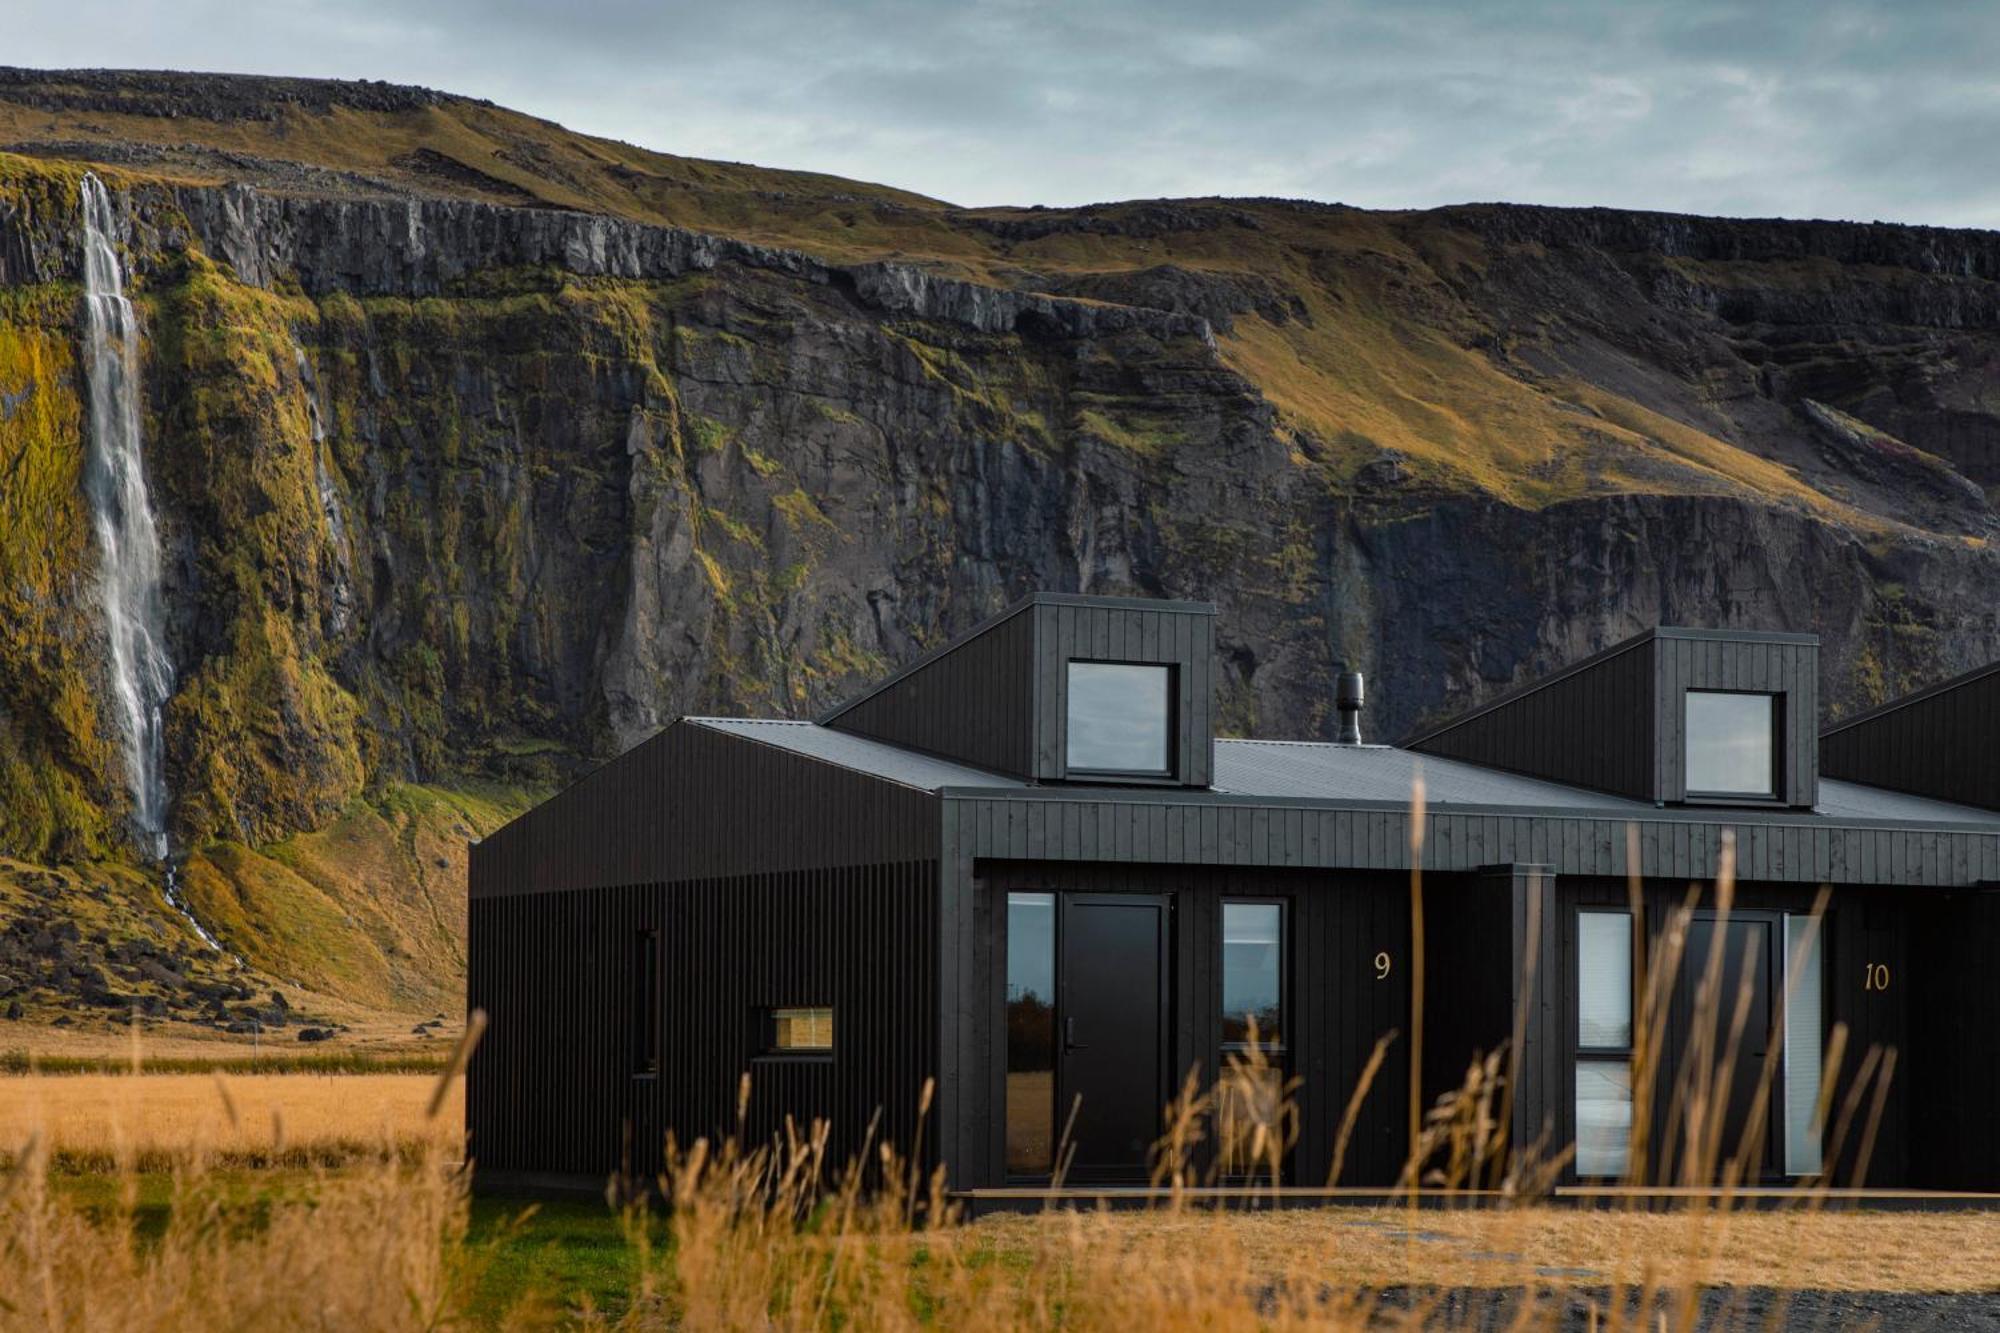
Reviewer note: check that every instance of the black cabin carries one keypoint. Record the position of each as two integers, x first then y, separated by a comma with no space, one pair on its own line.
1025,867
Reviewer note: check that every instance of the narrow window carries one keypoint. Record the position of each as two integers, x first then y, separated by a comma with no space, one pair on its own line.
801,1031
1031,1033
1804,1049
1253,975
1732,744
646,1003
1604,1043
1251,1095
1120,718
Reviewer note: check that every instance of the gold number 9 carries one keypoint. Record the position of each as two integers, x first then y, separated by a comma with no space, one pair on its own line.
1382,965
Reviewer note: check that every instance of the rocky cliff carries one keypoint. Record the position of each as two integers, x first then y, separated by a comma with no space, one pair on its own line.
482,449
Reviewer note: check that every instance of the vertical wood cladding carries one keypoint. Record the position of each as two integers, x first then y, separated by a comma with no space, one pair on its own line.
553,1091
1941,742
1176,634
1785,665
1480,932
1617,721
1590,725
1335,1004
1954,1054
693,803
1033,824
997,697
972,700
1862,927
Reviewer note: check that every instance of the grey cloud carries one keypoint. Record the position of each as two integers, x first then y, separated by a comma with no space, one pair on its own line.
1860,109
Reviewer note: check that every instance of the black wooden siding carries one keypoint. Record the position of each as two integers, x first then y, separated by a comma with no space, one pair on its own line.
1180,832
1943,742
973,700
693,803
1954,1035
552,1090
1682,844
1177,634
1335,1007
1616,722
1786,665
996,697
1861,926
1480,931
1590,725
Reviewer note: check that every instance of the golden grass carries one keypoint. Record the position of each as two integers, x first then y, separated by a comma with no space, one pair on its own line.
103,1118
1391,1247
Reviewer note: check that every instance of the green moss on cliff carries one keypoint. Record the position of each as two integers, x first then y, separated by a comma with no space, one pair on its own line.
59,794
264,738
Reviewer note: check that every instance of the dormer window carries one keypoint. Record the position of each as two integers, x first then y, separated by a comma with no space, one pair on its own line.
1120,719
1732,745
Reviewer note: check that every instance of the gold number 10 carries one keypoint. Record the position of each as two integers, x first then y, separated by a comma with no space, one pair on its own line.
1382,965
1878,977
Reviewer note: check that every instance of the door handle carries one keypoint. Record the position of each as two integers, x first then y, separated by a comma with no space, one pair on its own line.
1070,1042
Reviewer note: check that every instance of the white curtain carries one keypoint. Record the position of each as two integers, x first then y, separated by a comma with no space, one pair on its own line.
1604,979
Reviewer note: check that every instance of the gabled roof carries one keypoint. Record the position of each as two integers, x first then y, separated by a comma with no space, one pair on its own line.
1322,772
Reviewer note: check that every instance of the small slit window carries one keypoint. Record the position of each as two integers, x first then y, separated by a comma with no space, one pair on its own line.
1120,719
646,1003
800,1031
1732,744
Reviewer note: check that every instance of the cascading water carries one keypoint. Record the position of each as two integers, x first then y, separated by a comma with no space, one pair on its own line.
128,585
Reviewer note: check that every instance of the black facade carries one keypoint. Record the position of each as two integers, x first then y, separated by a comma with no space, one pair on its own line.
636,939
1941,742
1617,722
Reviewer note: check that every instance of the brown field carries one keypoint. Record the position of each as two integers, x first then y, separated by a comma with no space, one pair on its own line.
1393,1247
368,1238
254,1118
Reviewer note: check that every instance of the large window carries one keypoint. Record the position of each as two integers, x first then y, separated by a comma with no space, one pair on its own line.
1031,1033
1805,1022
1603,1043
1120,719
1732,744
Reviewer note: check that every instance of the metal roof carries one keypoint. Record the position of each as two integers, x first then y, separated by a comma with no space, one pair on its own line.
1319,771
1854,800
891,763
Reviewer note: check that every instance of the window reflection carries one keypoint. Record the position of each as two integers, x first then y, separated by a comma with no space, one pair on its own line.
1604,1042
1031,1032
1730,743
1119,718
1252,981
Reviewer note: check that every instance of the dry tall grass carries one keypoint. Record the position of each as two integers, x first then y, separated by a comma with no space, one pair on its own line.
96,1121
777,1236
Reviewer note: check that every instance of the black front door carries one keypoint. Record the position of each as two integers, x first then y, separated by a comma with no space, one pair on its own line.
1113,1032
1749,954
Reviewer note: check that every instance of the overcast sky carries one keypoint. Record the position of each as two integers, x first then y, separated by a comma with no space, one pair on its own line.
1864,110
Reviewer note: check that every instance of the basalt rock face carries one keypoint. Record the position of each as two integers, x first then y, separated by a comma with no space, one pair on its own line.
451,488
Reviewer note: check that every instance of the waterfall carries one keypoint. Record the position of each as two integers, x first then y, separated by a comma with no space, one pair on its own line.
340,577
128,585
115,477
